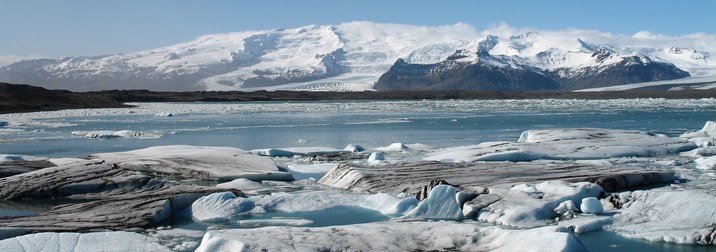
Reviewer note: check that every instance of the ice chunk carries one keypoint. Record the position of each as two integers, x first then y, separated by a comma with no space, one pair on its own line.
3,124
521,209
709,130
565,207
586,224
591,205
576,144
297,151
701,152
394,147
683,216
219,207
376,157
108,134
222,163
222,206
101,241
706,163
164,114
354,148
392,236
242,184
441,204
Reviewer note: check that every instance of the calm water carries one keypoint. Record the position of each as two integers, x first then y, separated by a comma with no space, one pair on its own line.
337,124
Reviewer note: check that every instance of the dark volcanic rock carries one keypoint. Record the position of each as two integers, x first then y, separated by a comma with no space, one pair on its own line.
453,75
502,73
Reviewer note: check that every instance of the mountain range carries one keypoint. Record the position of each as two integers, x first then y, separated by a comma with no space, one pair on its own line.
360,56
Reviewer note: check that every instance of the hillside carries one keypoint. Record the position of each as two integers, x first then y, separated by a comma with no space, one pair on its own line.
353,56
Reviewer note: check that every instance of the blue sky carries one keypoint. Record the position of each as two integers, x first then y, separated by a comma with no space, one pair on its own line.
52,28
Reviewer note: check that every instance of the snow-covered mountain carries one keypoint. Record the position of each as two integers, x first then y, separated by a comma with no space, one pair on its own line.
353,56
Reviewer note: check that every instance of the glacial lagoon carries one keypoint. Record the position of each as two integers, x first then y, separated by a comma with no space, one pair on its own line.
405,132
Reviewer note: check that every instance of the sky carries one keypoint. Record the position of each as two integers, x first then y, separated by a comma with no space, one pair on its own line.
57,28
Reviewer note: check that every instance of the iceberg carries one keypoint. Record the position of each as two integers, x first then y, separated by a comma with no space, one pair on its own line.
219,163
394,147
297,151
666,215
572,144
392,236
704,136
108,134
220,207
591,205
441,204
80,242
522,209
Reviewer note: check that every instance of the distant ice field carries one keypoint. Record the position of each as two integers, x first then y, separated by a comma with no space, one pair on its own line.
254,125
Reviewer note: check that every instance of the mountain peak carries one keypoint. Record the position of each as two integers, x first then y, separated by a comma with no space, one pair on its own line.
347,56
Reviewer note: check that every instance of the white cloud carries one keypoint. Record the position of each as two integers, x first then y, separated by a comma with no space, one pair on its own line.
11,58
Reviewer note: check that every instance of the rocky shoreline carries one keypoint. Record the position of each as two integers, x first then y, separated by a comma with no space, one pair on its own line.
25,98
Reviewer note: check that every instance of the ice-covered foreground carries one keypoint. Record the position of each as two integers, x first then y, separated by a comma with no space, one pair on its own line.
393,236
77,242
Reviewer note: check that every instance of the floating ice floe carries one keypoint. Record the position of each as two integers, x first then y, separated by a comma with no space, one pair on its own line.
531,205
667,215
581,143
108,134
354,148
221,207
392,236
297,151
221,163
164,114
703,137
80,242
394,147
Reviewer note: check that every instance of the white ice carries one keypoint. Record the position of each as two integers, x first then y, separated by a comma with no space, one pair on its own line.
295,151
576,144
666,215
441,204
223,206
392,236
109,134
79,242
538,205
222,163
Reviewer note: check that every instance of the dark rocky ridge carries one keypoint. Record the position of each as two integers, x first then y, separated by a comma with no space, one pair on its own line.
508,74
25,98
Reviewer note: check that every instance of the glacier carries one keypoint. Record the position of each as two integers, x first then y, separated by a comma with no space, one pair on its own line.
350,57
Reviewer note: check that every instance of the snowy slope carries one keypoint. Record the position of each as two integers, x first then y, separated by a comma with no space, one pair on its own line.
351,56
